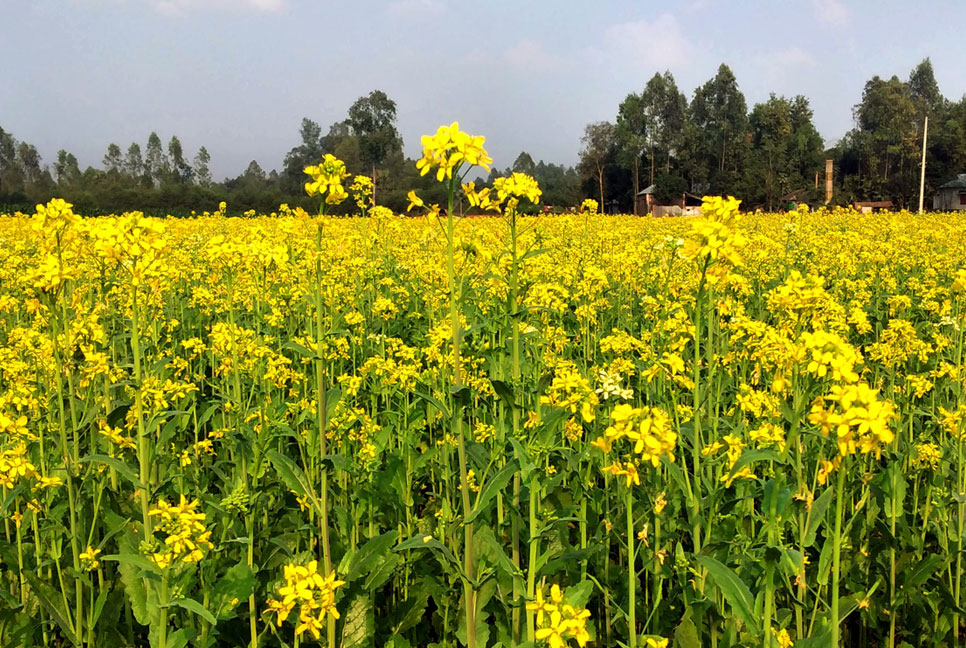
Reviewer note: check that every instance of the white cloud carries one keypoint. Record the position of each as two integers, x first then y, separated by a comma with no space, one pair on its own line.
791,57
831,12
697,6
656,44
415,7
528,55
782,68
181,7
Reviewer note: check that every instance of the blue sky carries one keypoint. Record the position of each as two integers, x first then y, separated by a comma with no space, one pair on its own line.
238,75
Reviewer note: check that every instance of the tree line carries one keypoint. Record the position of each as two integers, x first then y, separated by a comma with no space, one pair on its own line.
711,144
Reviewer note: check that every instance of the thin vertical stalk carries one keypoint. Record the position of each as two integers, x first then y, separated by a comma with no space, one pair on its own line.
631,571
320,409
836,552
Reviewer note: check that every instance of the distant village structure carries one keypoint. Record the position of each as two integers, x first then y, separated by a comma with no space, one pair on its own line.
869,206
951,196
686,205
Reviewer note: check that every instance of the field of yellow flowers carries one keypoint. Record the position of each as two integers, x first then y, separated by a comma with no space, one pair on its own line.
424,431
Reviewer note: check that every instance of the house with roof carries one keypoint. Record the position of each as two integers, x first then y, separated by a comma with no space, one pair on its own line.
648,203
951,196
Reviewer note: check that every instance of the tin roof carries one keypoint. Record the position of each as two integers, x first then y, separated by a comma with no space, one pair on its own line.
958,183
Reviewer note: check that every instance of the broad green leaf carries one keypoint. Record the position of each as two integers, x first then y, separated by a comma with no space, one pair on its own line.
366,557
734,590
383,571
11,497
51,603
292,476
435,402
923,571
495,551
303,351
817,515
180,638
578,595
194,606
99,605
749,457
493,485
236,585
686,634
504,390
135,560
413,610
359,623
123,469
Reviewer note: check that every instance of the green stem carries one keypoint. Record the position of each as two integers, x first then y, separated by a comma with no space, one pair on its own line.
631,572
836,552
534,540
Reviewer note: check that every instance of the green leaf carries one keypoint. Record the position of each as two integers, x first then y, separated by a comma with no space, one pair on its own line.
578,595
533,253
124,470
293,477
504,390
493,486
47,597
237,583
429,542
749,457
734,590
207,414
383,570
332,397
686,634
303,351
817,515
494,550
11,497
918,576
134,560
180,638
482,630
775,499
413,610
194,606
143,600
99,605
677,475
361,562
398,641
825,560
821,637
359,623
435,402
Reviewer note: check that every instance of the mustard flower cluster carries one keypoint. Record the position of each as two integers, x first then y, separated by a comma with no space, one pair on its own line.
859,420
326,179
187,538
311,592
449,149
558,621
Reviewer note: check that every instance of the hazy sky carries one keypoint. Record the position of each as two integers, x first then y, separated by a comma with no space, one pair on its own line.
238,75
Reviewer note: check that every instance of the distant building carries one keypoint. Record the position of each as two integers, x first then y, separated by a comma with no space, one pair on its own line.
686,205
951,196
869,206
793,198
